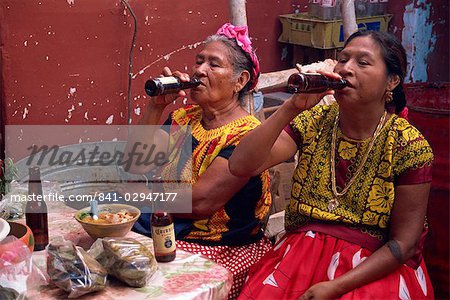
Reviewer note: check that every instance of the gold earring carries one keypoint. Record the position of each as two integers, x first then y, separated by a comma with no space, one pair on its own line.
389,96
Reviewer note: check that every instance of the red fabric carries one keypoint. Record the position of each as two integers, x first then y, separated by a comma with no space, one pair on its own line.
302,259
237,259
415,176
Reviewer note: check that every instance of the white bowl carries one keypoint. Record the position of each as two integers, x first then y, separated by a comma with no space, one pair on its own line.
4,229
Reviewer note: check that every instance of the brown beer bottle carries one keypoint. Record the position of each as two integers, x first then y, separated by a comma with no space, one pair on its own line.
36,210
168,85
312,83
163,235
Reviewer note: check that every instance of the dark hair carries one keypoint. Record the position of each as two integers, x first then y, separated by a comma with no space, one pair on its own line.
239,60
394,58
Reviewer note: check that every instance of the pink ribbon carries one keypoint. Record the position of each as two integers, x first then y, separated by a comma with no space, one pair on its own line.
240,34
404,113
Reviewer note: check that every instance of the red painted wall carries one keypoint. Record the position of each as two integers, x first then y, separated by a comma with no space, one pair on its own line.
66,62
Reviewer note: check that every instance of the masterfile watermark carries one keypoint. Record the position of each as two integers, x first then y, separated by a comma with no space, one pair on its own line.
144,166
53,155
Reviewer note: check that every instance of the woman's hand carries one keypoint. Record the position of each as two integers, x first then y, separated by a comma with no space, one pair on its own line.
162,101
322,290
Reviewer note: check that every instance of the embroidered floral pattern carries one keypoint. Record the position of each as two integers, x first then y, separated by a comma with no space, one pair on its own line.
347,150
369,201
381,196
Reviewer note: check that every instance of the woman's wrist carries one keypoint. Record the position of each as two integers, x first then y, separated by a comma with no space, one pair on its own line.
339,286
291,109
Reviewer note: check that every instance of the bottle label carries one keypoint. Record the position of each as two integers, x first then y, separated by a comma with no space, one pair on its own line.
168,80
163,239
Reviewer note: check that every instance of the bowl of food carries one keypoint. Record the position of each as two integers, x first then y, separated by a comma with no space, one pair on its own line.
114,220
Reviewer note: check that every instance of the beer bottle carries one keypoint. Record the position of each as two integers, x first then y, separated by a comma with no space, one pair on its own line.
163,235
312,83
168,85
36,210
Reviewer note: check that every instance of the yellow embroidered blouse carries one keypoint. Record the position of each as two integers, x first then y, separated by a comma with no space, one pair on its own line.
399,149
240,220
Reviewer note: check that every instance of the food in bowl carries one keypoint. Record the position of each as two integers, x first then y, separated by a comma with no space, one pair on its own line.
122,216
115,220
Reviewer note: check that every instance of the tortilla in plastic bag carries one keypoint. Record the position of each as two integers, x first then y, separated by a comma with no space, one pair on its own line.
73,270
126,259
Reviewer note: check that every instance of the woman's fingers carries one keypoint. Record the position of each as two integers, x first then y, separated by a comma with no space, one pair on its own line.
182,76
330,74
166,71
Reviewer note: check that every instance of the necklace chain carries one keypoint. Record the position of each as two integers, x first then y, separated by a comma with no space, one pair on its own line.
334,203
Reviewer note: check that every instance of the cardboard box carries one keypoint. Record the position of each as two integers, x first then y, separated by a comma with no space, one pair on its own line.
281,184
302,29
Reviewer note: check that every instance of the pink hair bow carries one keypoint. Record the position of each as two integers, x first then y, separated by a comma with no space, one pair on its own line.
240,34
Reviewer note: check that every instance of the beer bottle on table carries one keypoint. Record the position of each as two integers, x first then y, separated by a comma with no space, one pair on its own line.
163,235
36,210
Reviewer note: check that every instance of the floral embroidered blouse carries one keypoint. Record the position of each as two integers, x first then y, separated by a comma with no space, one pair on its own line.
400,155
241,220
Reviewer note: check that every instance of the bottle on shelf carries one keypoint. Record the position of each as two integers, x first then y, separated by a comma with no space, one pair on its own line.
36,210
168,85
311,83
163,235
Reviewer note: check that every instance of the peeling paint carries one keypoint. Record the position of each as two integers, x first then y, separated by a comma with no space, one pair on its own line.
69,111
137,111
110,120
167,56
25,112
418,39
71,2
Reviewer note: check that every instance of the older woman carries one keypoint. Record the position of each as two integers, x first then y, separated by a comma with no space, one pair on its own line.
360,190
228,212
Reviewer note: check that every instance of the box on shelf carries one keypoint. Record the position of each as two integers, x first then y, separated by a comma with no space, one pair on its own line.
325,9
302,29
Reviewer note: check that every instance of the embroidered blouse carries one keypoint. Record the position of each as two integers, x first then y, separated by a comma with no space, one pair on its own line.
400,155
241,220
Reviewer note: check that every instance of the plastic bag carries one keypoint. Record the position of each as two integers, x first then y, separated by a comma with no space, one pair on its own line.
126,259
18,275
15,265
73,270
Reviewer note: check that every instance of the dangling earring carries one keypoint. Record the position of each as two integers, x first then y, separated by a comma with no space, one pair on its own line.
389,96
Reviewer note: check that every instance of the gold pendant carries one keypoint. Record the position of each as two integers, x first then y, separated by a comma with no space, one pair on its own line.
333,204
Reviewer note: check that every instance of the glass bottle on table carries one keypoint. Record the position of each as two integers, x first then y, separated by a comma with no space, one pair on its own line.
36,210
163,230
163,235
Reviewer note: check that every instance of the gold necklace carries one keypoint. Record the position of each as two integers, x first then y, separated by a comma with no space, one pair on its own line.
334,203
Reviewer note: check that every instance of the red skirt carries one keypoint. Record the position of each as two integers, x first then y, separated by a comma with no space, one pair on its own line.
302,259
237,259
